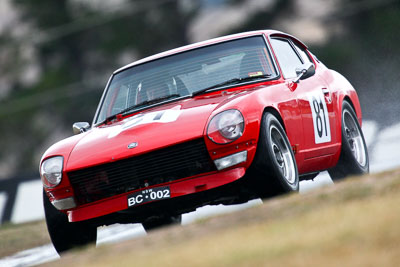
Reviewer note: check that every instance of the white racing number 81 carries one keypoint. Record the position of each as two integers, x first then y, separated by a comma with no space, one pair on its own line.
322,128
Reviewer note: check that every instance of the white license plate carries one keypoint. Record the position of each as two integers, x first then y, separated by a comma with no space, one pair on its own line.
148,195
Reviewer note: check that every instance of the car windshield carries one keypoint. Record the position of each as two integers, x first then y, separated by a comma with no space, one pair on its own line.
186,74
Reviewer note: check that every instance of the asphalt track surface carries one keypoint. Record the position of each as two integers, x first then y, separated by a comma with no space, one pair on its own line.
384,151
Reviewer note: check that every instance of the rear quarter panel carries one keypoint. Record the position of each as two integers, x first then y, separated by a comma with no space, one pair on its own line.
343,89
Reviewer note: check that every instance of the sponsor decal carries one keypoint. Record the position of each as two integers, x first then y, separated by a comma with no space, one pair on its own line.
255,74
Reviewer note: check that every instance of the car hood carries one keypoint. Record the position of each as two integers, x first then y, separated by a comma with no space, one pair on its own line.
149,130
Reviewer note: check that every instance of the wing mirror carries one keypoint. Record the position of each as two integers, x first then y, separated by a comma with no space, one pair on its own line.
80,127
304,71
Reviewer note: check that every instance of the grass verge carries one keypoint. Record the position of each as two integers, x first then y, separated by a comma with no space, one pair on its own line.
353,223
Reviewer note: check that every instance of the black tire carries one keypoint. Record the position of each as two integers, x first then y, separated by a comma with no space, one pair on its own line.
63,234
155,223
354,154
274,168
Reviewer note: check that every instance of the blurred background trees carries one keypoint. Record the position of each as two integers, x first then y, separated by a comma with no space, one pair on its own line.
56,56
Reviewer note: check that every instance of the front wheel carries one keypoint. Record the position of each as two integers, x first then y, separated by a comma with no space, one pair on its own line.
274,165
63,234
353,155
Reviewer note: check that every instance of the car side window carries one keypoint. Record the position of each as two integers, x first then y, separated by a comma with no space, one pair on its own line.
303,54
287,57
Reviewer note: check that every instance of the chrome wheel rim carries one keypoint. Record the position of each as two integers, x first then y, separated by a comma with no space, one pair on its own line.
354,138
282,156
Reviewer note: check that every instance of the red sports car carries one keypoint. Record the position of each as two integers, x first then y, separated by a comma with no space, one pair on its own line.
217,122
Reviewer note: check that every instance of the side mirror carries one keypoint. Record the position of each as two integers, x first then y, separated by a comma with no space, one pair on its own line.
80,127
306,70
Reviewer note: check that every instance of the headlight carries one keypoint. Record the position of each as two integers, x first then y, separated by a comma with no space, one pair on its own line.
51,171
226,127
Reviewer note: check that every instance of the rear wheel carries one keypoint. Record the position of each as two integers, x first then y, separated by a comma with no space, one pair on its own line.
354,155
274,165
63,234
155,223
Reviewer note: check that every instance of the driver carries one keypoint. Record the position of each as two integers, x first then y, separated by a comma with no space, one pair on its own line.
153,90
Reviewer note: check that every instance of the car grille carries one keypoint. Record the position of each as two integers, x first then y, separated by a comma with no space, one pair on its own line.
157,167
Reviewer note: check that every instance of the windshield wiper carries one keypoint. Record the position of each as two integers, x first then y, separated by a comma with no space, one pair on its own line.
142,104
149,102
231,81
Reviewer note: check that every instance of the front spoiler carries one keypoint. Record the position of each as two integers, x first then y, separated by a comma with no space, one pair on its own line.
178,189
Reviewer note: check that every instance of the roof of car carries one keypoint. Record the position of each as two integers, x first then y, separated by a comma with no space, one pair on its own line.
209,42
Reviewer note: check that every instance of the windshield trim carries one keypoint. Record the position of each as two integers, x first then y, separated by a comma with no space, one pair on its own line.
271,54
102,99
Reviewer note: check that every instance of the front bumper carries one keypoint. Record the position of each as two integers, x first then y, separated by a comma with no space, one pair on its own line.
177,188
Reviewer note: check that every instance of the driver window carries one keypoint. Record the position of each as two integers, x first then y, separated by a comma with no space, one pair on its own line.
302,53
287,57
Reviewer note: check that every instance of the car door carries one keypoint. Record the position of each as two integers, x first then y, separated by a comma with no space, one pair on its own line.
313,98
